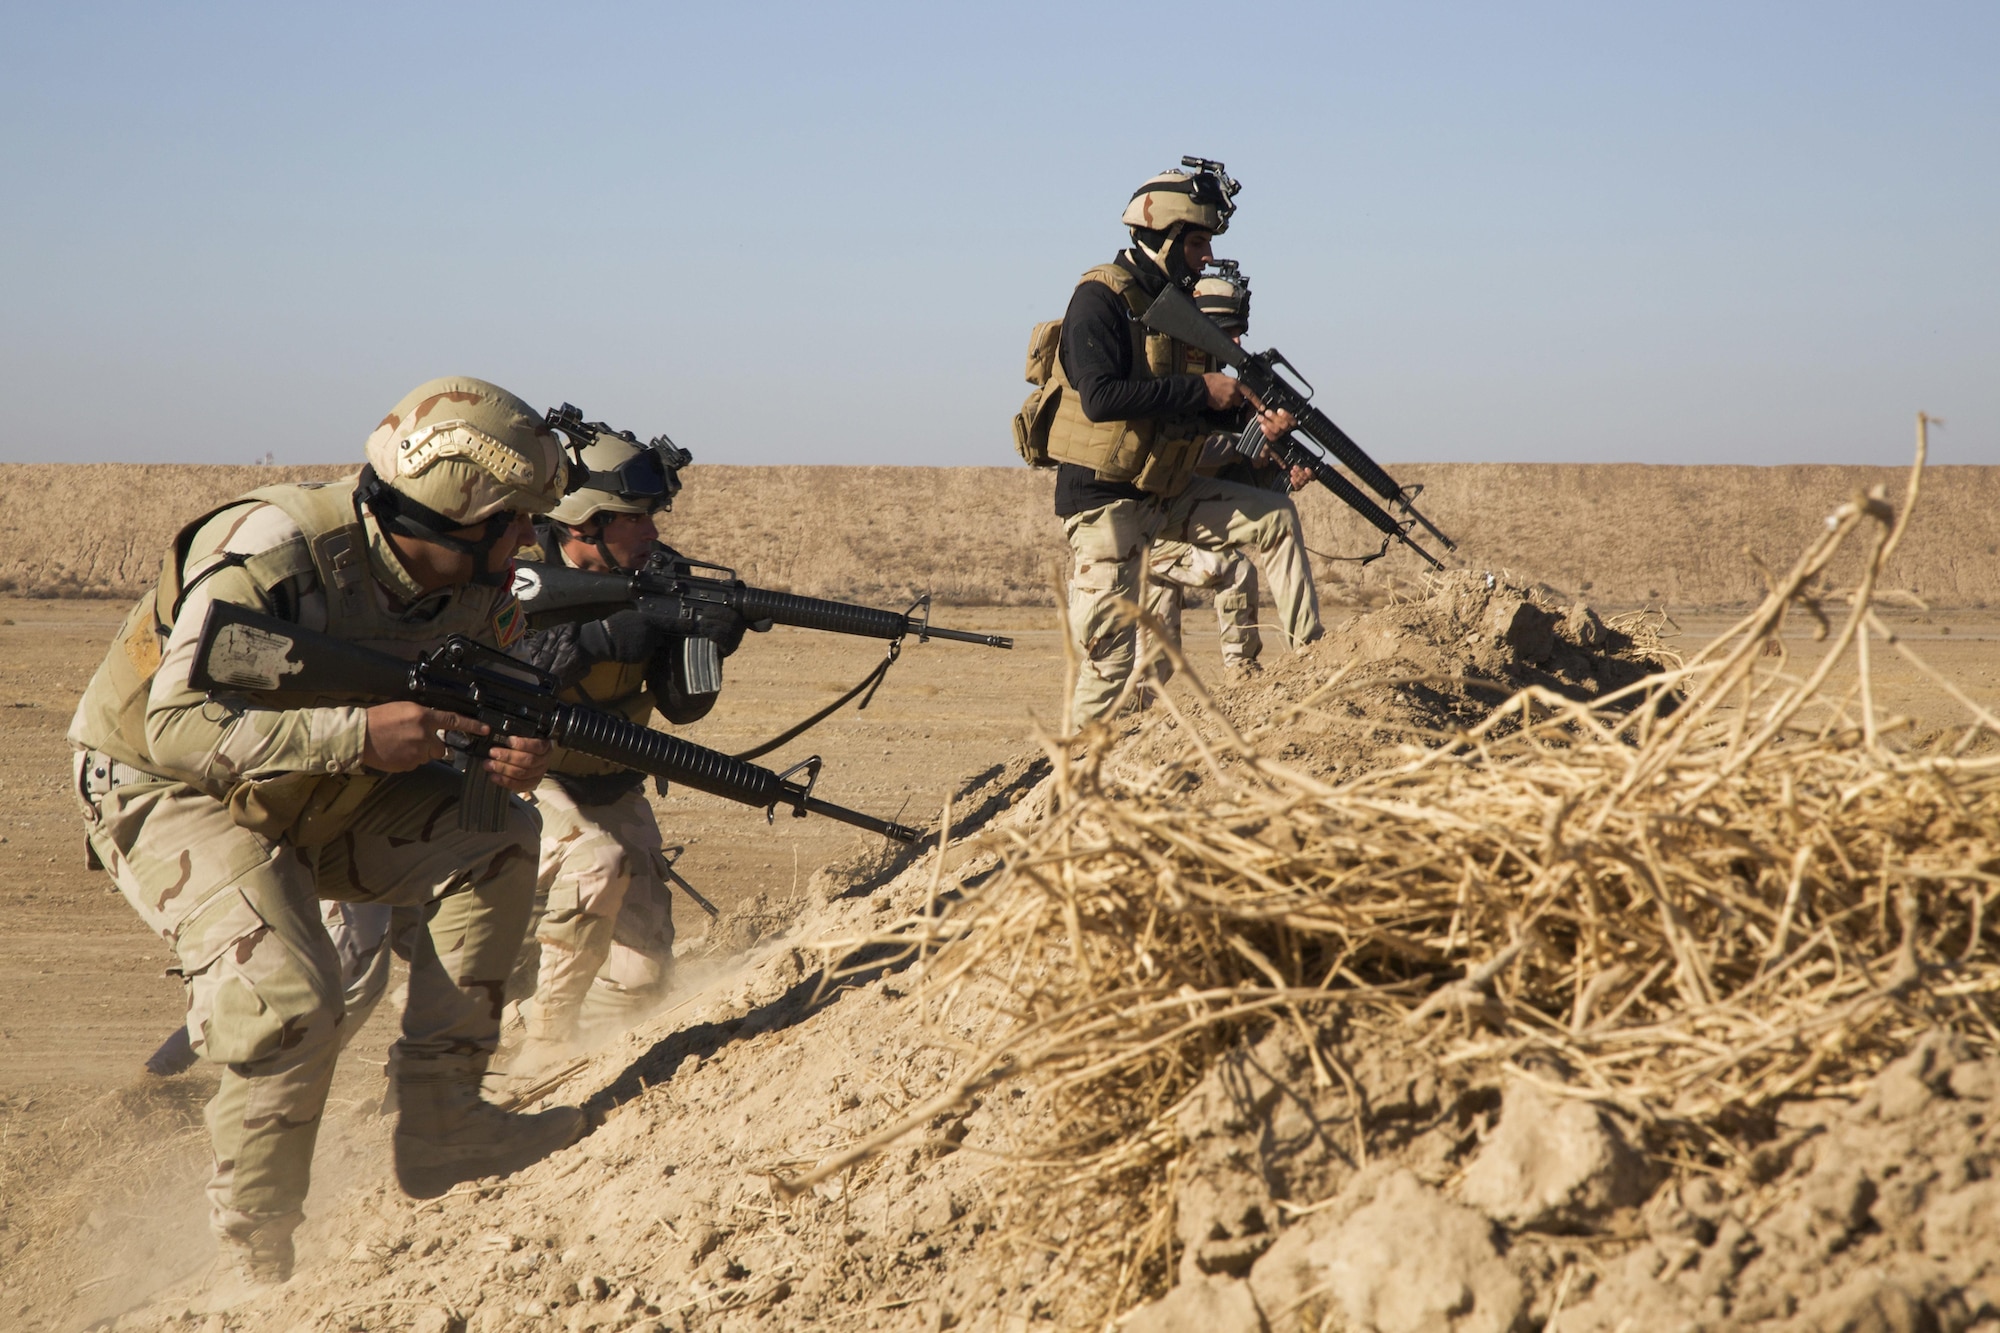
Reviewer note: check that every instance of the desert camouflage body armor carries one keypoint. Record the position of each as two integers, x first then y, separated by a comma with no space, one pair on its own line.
1157,454
331,557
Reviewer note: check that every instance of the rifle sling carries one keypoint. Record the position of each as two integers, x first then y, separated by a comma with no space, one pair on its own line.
868,683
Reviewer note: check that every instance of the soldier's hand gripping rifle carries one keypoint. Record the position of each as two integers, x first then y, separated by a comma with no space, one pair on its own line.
243,652
1271,378
693,597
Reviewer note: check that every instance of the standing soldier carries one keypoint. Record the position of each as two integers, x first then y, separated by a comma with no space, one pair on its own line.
1177,568
1131,411
605,907
224,821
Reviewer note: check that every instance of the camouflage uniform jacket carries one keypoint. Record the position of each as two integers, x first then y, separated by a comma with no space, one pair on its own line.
299,552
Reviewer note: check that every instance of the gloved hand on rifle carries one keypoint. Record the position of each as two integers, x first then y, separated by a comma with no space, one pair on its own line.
726,628
626,636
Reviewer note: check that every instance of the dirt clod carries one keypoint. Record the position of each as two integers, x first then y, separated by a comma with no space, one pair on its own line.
1553,1163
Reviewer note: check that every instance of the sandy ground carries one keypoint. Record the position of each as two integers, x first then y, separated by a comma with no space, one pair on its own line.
86,999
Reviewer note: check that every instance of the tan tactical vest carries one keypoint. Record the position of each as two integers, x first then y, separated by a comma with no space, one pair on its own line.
333,548
1156,454
616,687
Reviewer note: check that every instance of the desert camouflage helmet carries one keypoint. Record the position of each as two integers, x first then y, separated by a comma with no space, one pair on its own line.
460,453
1202,196
464,450
611,460
1225,297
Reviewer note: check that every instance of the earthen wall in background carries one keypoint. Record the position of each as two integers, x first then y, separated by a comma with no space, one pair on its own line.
1620,534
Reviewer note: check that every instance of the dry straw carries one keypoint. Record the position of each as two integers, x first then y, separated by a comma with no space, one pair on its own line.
1723,887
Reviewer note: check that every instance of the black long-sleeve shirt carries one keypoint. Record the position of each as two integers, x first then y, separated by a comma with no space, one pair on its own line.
1096,353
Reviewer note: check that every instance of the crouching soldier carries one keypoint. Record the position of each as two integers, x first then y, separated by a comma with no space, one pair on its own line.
605,925
225,821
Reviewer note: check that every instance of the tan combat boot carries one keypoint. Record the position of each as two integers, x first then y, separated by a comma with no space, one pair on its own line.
446,1133
551,1036
253,1256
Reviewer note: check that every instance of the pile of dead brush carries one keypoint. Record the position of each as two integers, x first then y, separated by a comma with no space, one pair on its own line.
1688,912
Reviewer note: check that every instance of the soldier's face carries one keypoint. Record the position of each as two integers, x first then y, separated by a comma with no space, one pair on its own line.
1197,248
630,537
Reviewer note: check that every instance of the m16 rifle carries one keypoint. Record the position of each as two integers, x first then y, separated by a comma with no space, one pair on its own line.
243,652
693,597
1278,384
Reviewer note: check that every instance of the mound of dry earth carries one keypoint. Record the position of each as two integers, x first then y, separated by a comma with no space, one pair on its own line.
1404,1196
1421,669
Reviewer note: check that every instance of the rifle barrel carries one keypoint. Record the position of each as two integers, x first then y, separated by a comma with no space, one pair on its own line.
1328,476
1328,435
967,636
612,738
1175,314
887,828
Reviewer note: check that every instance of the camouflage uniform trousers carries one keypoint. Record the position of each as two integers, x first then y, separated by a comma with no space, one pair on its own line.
1109,546
604,911
362,934
1177,568
264,981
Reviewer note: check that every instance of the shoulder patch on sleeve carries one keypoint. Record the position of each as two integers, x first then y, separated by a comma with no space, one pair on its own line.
508,623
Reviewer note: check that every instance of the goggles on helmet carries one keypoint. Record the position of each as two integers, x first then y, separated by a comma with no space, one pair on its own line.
651,474
640,477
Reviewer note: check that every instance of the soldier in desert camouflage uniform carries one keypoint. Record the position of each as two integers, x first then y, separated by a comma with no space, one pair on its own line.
604,923
1176,568
223,822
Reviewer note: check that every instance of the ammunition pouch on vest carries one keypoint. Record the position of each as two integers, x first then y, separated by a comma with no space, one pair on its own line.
1156,454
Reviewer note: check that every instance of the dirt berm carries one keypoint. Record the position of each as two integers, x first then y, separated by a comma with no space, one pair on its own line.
1622,534
821,1134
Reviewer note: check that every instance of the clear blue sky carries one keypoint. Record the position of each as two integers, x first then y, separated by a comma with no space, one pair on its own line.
1677,233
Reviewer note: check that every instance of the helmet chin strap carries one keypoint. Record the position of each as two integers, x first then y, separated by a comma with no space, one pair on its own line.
1168,256
399,513
603,548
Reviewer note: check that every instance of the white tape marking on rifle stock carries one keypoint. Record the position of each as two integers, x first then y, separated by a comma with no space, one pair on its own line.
251,659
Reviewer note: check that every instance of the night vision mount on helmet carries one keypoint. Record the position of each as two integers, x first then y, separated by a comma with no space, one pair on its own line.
1213,185
614,472
1161,210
